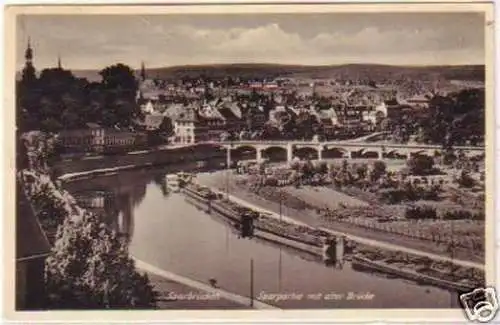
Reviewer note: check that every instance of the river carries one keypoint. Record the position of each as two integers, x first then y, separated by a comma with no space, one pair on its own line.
166,231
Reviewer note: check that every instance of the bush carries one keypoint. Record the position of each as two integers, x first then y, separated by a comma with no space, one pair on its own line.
420,212
465,180
392,196
379,169
271,181
462,215
421,165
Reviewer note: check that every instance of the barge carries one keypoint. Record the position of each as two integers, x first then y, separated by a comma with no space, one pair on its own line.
362,263
211,203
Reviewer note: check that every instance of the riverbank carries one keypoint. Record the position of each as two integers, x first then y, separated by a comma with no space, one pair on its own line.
224,182
189,155
311,240
179,292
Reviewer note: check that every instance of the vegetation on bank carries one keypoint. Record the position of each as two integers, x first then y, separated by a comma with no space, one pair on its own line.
89,266
421,207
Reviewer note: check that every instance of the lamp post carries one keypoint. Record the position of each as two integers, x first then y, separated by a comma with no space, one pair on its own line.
251,283
452,253
281,204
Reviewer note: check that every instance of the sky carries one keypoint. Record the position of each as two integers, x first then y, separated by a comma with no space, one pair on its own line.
96,41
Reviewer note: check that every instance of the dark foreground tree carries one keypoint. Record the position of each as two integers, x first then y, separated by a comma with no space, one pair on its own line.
90,268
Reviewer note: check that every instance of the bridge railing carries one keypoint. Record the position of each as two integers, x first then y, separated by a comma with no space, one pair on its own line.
345,143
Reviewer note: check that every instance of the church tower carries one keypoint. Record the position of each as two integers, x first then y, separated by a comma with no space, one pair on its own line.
29,73
59,65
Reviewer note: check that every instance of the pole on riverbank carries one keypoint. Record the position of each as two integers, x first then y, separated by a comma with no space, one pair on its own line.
251,282
281,204
279,272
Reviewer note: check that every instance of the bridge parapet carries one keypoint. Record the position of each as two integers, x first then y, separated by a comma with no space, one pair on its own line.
347,144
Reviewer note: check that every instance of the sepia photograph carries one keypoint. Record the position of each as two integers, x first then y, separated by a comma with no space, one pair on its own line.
229,160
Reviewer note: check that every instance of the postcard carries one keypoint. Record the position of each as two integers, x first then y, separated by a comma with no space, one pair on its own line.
326,162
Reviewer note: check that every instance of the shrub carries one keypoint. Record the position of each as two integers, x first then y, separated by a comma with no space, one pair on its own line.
461,214
421,165
379,169
420,212
465,180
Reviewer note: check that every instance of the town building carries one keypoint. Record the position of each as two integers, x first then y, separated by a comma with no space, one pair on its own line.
418,101
95,138
184,126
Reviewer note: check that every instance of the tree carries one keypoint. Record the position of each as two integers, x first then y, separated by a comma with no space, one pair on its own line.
307,169
119,88
379,169
362,170
90,268
465,180
455,119
421,165
166,127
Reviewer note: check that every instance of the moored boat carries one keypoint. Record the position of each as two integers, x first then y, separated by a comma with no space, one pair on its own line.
173,182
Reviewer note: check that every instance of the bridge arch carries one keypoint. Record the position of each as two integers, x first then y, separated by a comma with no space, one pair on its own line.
275,153
367,153
244,152
394,154
306,152
335,152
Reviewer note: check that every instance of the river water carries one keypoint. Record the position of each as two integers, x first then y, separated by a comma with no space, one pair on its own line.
166,231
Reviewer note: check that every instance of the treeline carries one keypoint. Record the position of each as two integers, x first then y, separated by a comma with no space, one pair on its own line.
455,119
57,100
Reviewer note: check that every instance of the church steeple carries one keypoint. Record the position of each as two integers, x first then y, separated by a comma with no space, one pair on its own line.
143,71
59,65
28,54
29,73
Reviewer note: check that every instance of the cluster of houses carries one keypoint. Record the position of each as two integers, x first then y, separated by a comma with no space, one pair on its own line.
201,119
210,111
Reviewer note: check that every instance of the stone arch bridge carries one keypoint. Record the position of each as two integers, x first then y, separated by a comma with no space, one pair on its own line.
348,149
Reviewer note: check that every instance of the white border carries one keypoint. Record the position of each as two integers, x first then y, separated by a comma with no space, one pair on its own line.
292,315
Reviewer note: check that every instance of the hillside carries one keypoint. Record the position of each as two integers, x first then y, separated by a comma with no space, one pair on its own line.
350,71
353,71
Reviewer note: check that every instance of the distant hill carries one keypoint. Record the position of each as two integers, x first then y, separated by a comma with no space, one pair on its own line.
349,71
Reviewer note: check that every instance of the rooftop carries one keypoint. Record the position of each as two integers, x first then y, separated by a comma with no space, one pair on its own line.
31,240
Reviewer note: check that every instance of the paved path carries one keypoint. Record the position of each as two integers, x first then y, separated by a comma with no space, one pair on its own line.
361,240
200,286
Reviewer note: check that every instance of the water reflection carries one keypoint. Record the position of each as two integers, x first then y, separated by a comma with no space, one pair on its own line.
161,181
114,198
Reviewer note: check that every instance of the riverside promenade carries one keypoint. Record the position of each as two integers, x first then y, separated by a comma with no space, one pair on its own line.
217,293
